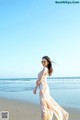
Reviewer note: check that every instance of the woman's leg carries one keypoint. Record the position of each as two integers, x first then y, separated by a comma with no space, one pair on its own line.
46,113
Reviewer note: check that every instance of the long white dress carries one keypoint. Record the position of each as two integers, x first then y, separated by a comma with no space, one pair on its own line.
47,104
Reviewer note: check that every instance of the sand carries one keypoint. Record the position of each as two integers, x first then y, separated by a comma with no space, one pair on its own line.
20,110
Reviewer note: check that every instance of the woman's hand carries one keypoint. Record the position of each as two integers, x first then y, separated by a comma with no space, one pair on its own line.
34,91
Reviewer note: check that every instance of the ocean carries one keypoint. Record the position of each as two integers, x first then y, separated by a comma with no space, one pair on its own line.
64,90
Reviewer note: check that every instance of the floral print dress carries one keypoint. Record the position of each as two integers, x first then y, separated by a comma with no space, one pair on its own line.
48,105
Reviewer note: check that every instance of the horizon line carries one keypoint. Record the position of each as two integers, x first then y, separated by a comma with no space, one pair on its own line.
78,77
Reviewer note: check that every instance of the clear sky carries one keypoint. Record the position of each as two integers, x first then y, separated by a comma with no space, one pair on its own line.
30,29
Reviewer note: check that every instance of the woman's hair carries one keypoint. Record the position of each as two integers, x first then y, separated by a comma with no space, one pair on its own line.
50,69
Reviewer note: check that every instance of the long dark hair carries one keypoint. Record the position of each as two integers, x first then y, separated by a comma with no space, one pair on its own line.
50,69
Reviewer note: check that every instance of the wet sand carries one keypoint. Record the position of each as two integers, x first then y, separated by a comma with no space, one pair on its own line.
20,110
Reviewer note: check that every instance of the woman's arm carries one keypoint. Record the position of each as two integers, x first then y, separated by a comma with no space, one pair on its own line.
35,89
45,69
40,79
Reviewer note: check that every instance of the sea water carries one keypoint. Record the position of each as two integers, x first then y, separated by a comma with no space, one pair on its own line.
65,91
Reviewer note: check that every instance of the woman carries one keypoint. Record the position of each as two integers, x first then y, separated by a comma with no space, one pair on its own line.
47,104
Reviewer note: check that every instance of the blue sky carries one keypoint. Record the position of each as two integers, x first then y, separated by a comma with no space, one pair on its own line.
30,29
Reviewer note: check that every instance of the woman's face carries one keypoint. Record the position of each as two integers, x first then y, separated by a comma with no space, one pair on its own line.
44,62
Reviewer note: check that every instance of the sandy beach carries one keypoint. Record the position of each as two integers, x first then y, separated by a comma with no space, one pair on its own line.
19,110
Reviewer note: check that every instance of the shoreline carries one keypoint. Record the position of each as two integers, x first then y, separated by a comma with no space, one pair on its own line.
24,110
